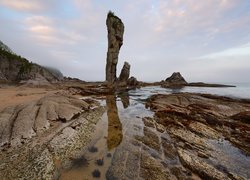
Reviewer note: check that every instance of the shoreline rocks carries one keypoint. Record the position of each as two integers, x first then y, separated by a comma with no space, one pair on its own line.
176,80
207,133
36,136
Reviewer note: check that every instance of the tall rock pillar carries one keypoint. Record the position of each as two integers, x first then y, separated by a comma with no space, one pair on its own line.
115,40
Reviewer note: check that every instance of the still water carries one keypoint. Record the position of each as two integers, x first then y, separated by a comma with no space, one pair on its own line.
114,132
113,149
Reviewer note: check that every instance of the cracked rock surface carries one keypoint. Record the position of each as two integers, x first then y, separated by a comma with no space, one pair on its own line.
36,136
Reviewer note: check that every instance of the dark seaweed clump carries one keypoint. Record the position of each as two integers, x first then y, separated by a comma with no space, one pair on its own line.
93,149
109,155
96,173
79,162
99,162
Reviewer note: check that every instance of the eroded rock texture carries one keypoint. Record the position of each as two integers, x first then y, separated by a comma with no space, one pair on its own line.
115,40
205,134
175,79
132,81
35,137
14,68
125,72
22,122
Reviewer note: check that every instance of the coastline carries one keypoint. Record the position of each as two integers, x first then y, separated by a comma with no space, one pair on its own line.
177,115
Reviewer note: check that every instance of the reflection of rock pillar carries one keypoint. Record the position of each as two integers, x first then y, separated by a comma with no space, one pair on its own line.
125,100
114,124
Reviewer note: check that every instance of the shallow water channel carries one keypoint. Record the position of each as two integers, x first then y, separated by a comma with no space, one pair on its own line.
117,128
115,152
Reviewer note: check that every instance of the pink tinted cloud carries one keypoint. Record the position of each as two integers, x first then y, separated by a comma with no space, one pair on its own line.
187,16
23,5
47,32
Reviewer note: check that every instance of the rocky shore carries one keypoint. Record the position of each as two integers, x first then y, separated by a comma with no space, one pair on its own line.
39,134
201,134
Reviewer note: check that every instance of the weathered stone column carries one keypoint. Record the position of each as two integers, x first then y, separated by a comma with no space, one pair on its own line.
115,40
125,72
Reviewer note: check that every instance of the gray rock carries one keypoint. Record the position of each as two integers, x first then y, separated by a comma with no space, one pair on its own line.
175,79
125,72
204,169
14,68
2,76
132,81
115,29
20,123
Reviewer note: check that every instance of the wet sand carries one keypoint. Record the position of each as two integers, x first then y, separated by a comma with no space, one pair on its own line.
10,96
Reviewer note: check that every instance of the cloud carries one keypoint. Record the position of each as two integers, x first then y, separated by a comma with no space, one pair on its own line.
243,50
23,5
160,37
49,33
184,17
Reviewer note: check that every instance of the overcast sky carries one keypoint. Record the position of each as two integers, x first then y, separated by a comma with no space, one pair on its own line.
204,40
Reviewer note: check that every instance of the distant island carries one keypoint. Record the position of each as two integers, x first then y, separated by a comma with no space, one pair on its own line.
176,80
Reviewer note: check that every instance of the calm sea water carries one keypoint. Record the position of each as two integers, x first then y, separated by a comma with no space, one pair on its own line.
242,90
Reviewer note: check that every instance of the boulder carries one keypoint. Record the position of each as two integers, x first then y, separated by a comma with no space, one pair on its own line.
132,81
115,29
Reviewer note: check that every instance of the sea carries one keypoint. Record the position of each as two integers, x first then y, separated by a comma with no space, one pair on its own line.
242,91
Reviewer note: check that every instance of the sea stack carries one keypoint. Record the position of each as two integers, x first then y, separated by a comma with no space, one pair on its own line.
115,29
175,80
125,72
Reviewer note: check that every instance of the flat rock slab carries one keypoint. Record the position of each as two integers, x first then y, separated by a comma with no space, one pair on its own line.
22,122
38,136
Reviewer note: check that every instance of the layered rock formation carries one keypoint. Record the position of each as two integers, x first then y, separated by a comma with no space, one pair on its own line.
115,29
14,68
125,72
36,136
202,134
22,122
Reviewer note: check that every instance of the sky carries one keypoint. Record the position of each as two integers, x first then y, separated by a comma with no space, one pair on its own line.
206,41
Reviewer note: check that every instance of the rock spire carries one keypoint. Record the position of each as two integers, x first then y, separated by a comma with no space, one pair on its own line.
115,29
125,72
